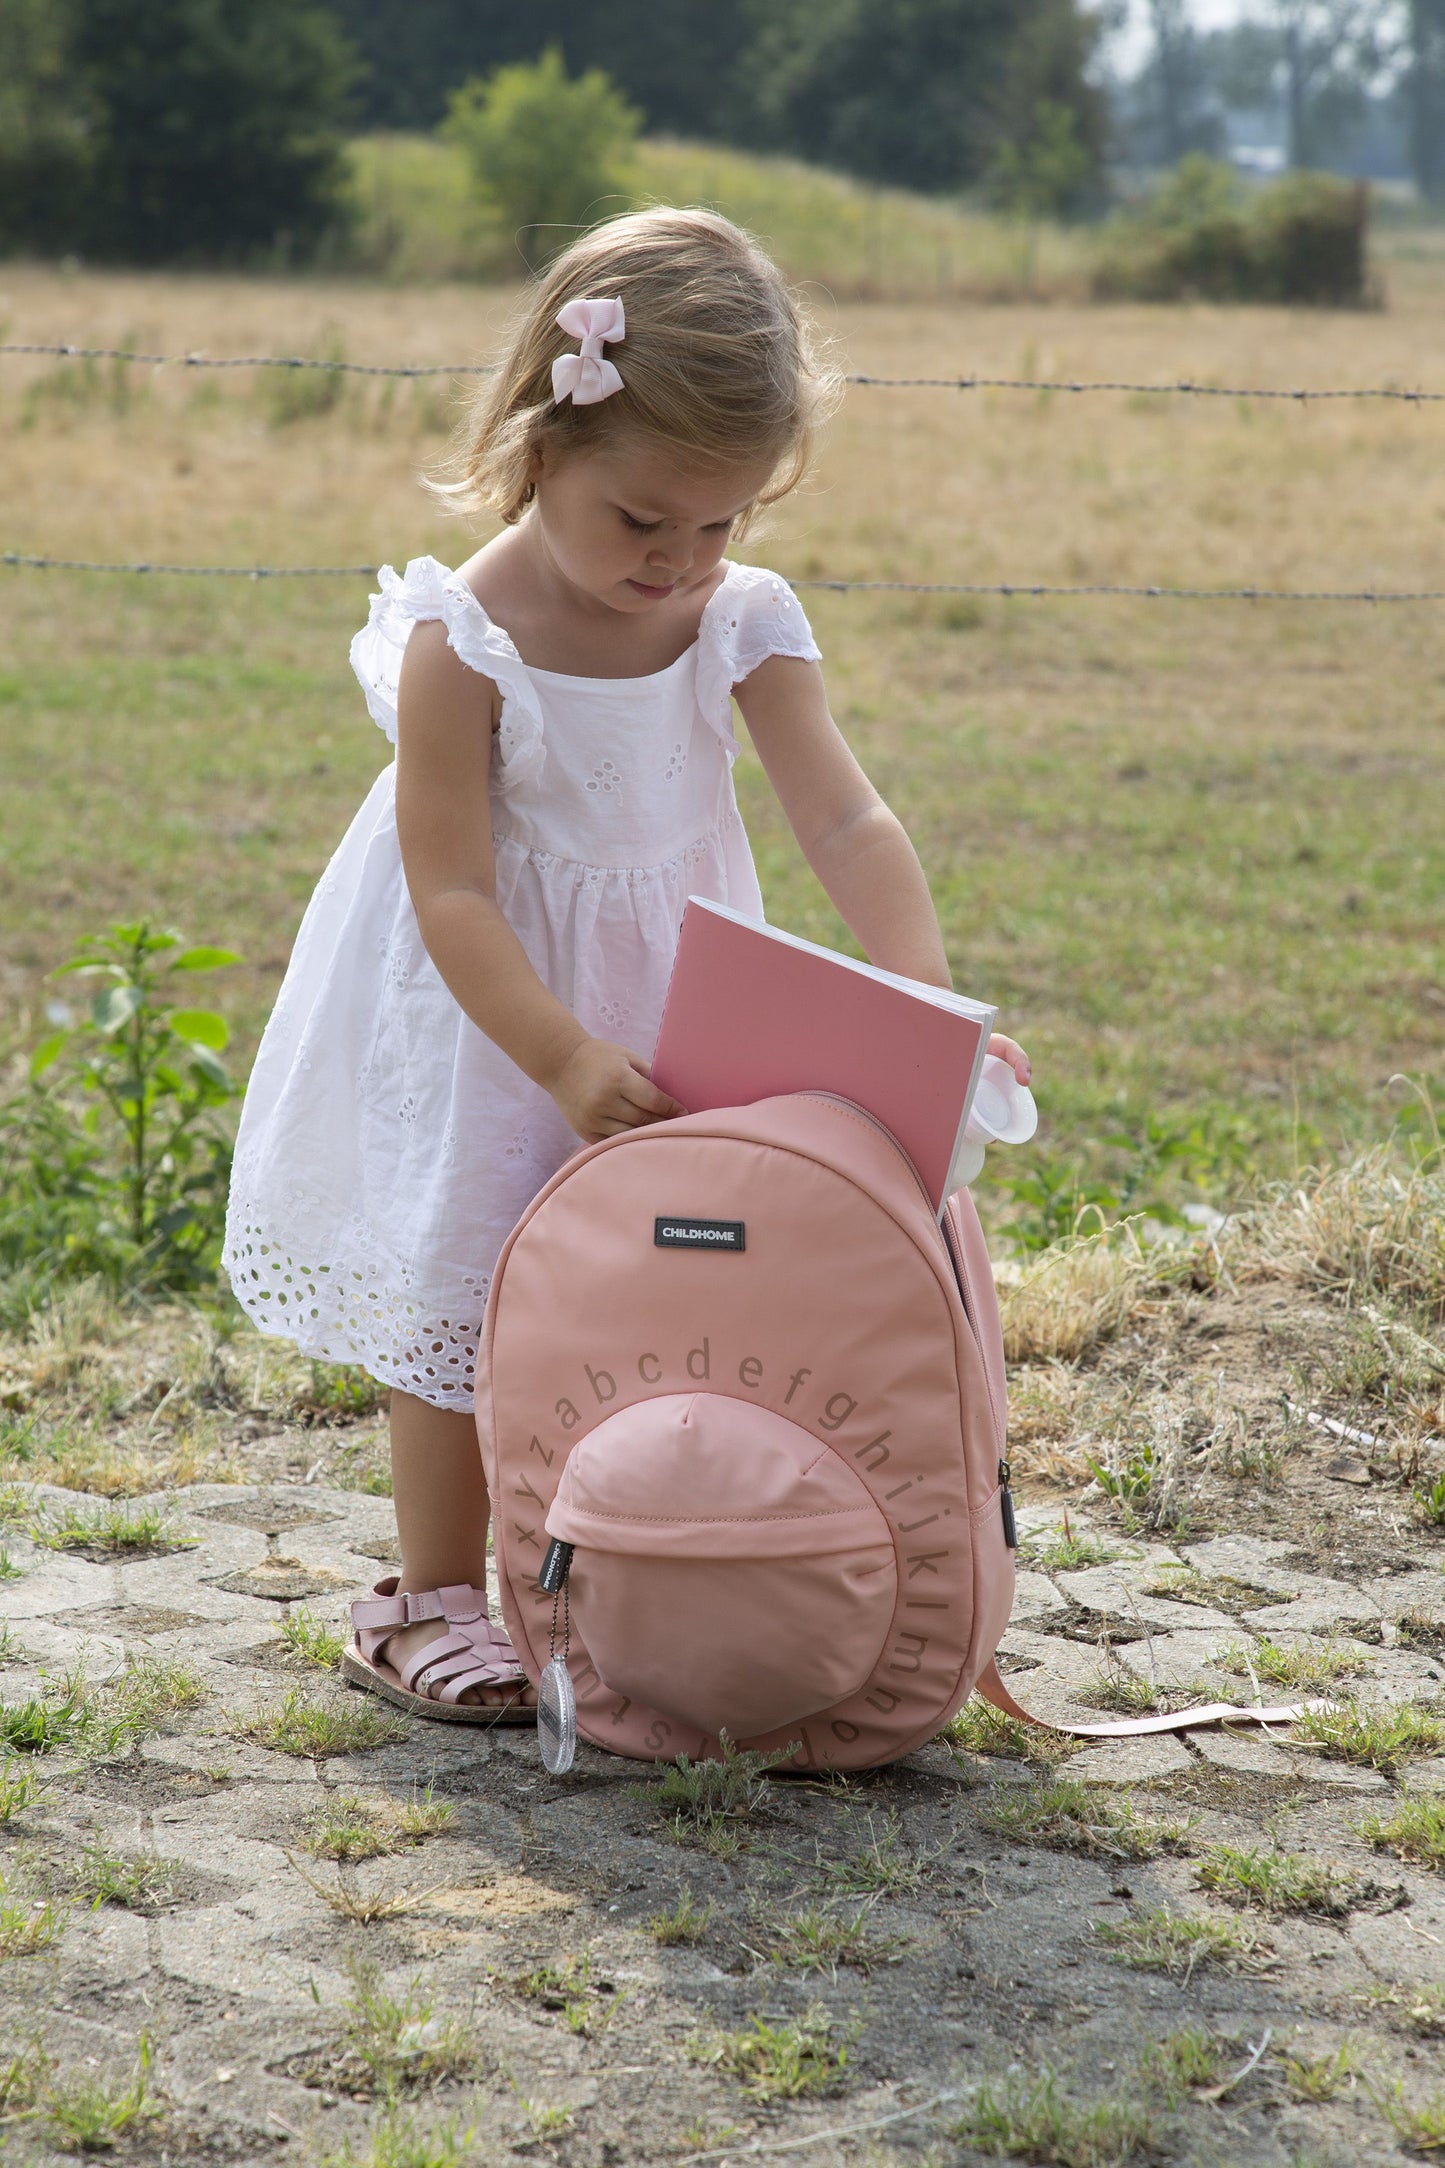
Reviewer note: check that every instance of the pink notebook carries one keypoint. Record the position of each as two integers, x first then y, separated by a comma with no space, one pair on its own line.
752,1011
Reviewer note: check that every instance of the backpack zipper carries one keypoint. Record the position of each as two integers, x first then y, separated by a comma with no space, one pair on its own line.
1006,1505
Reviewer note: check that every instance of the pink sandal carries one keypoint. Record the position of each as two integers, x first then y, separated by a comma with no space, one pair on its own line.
431,1682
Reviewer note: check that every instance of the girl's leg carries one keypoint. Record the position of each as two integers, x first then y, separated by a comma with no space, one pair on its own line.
442,1510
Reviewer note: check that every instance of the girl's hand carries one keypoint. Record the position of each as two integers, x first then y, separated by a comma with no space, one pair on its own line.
602,1090
1010,1051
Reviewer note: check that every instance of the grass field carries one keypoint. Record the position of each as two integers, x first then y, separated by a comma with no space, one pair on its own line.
1194,851
417,220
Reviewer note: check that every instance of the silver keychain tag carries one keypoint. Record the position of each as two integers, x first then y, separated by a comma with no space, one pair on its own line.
556,1718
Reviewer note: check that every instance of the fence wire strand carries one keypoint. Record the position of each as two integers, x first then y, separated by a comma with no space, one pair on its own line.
14,560
1300,395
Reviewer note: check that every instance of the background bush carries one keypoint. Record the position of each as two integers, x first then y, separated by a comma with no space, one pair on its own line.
546,154
1203,233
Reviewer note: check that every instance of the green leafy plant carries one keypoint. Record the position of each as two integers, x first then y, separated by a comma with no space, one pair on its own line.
779,2059
113,1162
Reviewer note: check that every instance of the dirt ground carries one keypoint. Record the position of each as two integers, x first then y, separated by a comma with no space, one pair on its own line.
925,1964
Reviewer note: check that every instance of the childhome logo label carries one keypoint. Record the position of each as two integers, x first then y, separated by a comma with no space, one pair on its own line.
678,1233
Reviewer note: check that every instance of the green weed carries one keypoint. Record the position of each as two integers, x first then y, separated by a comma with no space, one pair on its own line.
699,1795
140,1884
45,1723
89,2114
980,1728
28,1926
1430,1501
1422,2127
587,2003
114,1530
350,1827
9,1571
339,1392
1379,1737
1415,1831
1304,1665
399,2140
302,1725
143,1698
20,1789
814,1939
1029,2118
1064,1550
1319,2077
303,1634
546,2119
12,1648
1071,1816
1416,2009
394,2044
884,1867
687,1922
1157,1940
782,2059
1275,1881
1188,2061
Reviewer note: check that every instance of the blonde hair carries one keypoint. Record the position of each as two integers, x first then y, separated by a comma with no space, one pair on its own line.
719,364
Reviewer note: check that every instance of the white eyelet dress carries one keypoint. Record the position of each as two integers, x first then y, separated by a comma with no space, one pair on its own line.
387,1147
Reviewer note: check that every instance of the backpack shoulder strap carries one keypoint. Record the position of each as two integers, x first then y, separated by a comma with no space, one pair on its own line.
992,1688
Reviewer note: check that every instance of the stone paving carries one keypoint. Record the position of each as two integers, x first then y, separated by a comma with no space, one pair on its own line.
987,1952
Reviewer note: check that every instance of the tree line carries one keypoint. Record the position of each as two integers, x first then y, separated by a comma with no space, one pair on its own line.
194,130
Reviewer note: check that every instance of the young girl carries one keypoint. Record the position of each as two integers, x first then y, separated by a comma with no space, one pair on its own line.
478,979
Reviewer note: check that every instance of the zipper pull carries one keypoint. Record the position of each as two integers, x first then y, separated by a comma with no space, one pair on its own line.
1006,1504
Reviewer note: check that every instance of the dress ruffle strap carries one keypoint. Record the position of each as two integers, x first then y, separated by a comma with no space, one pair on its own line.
429,591
753,615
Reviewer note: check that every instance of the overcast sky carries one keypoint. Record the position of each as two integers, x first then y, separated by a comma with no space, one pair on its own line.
1131,48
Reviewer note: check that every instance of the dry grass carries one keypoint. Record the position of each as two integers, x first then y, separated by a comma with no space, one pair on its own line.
1367,1229
1073,1296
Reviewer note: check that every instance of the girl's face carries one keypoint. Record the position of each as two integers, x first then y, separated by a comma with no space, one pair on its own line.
628,529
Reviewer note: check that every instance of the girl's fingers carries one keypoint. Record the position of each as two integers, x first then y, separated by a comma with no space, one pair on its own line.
640,1091
1010,1051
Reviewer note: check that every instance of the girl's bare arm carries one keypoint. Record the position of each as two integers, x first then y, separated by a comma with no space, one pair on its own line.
859,850
446,717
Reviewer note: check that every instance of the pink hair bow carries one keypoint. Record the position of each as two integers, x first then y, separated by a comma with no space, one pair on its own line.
585,377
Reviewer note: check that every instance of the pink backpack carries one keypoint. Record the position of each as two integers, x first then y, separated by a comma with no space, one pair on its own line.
736,1364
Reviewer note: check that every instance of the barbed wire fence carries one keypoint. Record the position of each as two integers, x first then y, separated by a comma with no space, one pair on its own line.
1298,395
